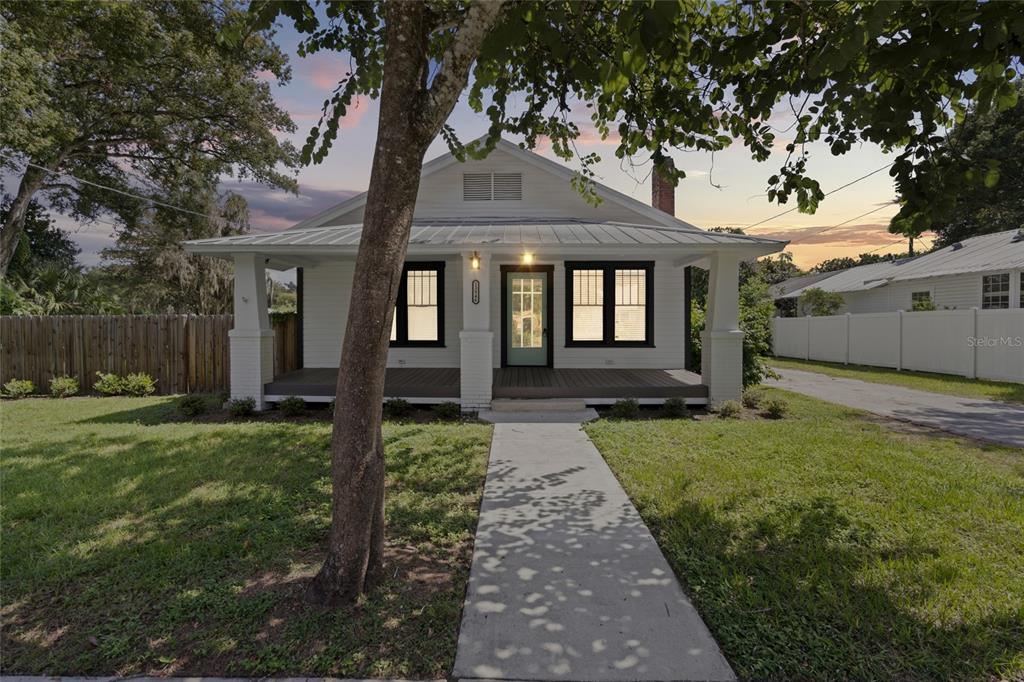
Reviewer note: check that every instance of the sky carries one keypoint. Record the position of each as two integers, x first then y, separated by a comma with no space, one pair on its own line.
727,189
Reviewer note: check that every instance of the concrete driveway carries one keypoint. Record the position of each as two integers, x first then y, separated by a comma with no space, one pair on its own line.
986,420
567,582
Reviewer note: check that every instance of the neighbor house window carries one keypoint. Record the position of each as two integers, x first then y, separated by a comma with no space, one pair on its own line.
419,310
609,303
921,300
995,291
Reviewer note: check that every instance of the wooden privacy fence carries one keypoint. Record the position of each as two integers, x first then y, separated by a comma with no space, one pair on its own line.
184,353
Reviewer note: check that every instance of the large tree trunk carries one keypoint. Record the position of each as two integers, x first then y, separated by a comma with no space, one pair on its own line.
14,222
411,116
355,552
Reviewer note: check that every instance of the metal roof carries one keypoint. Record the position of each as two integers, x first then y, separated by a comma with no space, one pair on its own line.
483,232
985,253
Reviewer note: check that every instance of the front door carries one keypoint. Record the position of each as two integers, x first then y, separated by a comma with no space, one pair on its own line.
527,318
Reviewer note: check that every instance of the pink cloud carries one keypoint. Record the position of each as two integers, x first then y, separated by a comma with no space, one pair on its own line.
360,105
323,70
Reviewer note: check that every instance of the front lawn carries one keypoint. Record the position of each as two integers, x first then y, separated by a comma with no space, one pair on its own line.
137,546
828,546
923,381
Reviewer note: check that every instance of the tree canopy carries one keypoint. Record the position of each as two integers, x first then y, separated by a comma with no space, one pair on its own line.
988,147
135,96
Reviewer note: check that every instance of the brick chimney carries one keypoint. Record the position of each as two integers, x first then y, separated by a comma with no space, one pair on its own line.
663,194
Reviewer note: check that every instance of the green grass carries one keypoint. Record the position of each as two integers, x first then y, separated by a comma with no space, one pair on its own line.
136,546
923,381
827,546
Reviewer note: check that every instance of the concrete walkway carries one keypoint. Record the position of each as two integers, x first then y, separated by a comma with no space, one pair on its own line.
567,582
986,420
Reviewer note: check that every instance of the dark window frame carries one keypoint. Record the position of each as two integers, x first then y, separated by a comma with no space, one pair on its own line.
608,313
402,306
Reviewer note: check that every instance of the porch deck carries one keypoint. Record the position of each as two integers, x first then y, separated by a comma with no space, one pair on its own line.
435,384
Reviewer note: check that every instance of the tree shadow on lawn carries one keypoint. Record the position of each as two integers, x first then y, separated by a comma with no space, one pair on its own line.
787,597
153,553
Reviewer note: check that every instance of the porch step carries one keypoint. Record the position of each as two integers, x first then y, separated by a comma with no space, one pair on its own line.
538,405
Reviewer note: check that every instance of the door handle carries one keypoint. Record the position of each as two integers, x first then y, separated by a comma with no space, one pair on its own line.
544,332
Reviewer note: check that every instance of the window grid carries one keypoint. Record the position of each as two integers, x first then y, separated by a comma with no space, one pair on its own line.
418,319
995,291
611,303
630,305
588,305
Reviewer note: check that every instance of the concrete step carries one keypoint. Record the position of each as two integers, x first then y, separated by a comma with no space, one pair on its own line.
538,405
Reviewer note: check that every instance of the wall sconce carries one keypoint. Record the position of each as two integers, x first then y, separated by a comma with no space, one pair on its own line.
474,261
527,259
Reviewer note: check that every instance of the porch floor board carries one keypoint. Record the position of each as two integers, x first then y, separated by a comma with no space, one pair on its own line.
508,382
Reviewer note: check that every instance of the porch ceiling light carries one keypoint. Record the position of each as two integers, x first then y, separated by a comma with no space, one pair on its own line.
527,258
474,261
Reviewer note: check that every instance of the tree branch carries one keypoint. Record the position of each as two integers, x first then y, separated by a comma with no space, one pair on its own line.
453,73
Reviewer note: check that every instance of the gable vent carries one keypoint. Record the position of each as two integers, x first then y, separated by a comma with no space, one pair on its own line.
508,186
492,186
476,186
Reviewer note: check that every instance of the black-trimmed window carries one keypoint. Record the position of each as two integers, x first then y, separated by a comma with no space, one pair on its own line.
609,303
419,310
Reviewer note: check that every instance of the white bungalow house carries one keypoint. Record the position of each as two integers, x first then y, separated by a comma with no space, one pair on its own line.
983,272
514,287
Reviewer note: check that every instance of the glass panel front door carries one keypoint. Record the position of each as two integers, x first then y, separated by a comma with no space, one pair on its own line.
527,324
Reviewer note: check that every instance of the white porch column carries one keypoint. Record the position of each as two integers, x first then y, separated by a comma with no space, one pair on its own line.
252,338
721,363
476,340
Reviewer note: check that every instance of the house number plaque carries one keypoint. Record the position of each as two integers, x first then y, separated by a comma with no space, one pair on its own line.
476,291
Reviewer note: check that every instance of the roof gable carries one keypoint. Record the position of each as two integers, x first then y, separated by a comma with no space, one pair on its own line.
547,193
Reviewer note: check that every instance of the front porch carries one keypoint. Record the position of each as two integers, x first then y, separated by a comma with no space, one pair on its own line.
438,384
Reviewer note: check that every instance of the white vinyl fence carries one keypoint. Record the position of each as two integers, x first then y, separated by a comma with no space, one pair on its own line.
984,344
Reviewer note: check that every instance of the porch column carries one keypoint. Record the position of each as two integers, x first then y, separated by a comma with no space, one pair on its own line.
476,340
252,338
721,362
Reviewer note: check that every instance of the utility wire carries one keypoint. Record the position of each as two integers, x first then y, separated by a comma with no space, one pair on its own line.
832,227
112,189
841,187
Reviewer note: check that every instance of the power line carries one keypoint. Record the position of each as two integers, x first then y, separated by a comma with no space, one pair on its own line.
832,227
112,189
841,187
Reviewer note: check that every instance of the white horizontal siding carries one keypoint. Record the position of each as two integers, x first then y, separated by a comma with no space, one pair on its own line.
954,292
326,292
668,351
544,196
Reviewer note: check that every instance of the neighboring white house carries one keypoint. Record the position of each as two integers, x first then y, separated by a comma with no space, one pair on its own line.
976,328
982,272
515,287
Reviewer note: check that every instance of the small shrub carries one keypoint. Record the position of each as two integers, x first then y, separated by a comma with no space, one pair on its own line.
292,406
109,384
192,405
776,409
448,411
728,409
396,408
241,407
627,408
751,399
63,387
139,385
675,408
223,397
19,388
